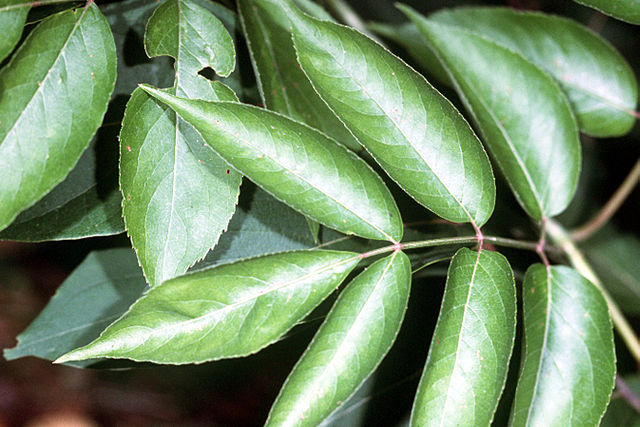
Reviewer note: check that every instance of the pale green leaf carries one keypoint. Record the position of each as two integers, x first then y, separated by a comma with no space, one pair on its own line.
599,83
98,291
283,86
625,10
524,117
297,164
354,338
411,130
13,15
466,368
227,311
55,92
568,363
178,194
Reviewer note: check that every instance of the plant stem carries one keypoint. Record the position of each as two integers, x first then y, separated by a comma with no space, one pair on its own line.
627,394
610,208
464,240
347,15
562,238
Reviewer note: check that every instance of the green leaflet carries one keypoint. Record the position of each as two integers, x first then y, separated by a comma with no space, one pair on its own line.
13,16
568,364
466,368
408,37
354,338
614,255
98,291
620,412
415,134
86,204
178,194
283,86
625,10
523,115
227,311
599,83
55,93
297,164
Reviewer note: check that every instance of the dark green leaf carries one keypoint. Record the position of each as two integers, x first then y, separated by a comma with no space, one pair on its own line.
227,311
598,81
297,164
625,10
178,194
352,341
523,115
283,86
466,368
55,93
614,255
94,295
568,363
13,15
415,134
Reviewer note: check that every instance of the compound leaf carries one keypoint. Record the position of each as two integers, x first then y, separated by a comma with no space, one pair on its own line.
352,341
568,366
523,115
297,164
178,194
466,368
411,130
599,83
283,86
55,92
226,311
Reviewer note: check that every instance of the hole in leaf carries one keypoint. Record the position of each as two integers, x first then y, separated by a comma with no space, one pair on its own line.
207,73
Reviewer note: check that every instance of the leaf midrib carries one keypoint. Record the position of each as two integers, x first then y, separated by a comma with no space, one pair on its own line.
388,116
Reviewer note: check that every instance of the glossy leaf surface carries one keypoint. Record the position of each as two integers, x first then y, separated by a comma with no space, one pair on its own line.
415,134
178,194
466,368
625,10
523,115
226,311
353,339
99,290
13,16
568,364
599,83
283,86
297,164
55,91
